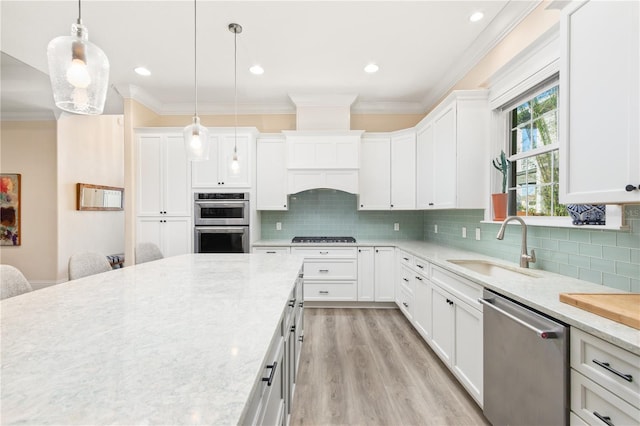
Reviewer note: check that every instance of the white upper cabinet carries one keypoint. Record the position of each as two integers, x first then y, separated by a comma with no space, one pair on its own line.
216,172
452,146
599,97
403,170
375,172
162,174
323,149
271,171
424,167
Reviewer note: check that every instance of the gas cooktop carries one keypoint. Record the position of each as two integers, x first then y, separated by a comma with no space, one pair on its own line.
323,240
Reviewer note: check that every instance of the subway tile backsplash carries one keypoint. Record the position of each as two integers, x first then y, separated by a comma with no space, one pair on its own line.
610,258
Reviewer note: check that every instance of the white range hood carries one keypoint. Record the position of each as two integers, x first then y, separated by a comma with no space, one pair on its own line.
323,152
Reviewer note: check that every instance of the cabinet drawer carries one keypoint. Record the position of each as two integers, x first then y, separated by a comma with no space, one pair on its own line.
271,250
405,275
334,291
405,301
422,266
324,252
593,403
336,269
466,290
405,258
601,362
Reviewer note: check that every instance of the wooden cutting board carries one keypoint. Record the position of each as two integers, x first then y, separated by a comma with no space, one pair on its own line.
620,307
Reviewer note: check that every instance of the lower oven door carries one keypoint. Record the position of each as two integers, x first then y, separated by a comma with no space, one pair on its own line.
221,239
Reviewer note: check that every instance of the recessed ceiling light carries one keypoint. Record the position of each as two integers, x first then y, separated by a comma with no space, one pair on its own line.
142,71
371,68
257,70
476,16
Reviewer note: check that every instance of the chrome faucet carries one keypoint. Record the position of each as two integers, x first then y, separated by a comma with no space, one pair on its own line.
525,258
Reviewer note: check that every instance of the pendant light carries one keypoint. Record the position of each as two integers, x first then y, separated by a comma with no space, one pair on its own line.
196,136
79,71
235,163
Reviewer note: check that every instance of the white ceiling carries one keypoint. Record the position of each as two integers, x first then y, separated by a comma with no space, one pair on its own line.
305,47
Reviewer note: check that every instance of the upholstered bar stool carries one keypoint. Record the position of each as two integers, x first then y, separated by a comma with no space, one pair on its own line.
88,263
12,282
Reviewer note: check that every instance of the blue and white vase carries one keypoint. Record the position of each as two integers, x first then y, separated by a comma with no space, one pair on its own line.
587,214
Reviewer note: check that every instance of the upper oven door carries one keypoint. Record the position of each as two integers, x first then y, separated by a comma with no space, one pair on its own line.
221,213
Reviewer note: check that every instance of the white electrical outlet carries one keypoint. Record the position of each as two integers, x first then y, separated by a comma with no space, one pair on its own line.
478,234
435,229
464,232
278,226
396,226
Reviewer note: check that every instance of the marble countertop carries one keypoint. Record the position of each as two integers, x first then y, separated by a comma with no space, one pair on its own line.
181,340
541,293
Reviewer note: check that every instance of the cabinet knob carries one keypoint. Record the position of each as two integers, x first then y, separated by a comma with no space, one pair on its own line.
285,205
361,205
391,205
630,188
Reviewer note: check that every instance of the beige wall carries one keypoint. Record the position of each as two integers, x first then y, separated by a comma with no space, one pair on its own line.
29,148
90,150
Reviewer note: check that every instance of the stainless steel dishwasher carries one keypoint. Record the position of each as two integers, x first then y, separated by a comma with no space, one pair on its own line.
526,376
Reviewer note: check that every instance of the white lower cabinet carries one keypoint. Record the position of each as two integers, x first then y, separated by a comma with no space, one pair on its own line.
271,401
171,234
604,385
330,273
422,306
375,274
443,324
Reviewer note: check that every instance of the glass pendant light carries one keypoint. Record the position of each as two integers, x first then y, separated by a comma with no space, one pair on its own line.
235,163
196,136
79,71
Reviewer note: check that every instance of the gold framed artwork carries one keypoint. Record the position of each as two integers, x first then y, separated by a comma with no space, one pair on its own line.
10,209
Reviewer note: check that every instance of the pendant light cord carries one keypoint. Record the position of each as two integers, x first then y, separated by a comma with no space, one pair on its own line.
195,55
79,12
235,89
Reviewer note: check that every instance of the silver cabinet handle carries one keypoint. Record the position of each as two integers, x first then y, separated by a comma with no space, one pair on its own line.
544,334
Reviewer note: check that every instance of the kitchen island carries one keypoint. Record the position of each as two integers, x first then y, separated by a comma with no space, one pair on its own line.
182,340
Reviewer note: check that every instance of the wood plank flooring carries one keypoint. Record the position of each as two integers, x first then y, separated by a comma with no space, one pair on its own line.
370,367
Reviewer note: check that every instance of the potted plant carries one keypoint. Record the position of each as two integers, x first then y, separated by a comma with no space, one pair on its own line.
499,201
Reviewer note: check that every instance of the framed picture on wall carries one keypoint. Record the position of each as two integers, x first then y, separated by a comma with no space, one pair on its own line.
9,209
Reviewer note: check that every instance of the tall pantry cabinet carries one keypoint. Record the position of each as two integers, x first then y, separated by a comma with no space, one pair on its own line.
163,189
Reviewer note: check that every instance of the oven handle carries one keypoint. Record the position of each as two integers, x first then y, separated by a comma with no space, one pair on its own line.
206,203
223,229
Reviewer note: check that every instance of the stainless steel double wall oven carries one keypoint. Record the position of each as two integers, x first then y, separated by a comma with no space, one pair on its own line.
221,222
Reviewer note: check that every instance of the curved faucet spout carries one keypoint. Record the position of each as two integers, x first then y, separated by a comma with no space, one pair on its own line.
525,258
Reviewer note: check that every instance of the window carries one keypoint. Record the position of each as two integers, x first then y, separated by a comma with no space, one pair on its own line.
533,152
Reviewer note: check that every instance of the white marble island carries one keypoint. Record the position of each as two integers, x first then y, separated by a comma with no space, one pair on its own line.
177,341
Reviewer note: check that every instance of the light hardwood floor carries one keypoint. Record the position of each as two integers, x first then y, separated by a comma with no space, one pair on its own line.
370,367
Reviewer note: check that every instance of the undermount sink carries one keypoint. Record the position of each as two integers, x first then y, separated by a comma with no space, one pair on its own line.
495,270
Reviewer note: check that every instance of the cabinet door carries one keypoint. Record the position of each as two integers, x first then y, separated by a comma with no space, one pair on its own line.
235,178
150,171
384,260
177,233
375,174
403,171
444,155
467,359
149,230
599,102
177,192
271,174
422,306
404,276
205,174
425,180
443,325
366,275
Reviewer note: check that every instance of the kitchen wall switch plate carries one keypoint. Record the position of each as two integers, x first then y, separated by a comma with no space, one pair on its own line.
435,229
478,234
278,226
464,232
396,226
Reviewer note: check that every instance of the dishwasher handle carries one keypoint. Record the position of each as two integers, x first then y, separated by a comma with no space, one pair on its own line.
544,334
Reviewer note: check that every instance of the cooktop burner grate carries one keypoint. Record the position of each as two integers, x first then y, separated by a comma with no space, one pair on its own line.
323,240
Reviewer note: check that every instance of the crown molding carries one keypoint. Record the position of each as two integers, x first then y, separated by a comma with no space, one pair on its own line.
509,17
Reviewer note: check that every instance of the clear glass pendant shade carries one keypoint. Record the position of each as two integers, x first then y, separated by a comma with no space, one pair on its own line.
79,72
235,164
196,141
